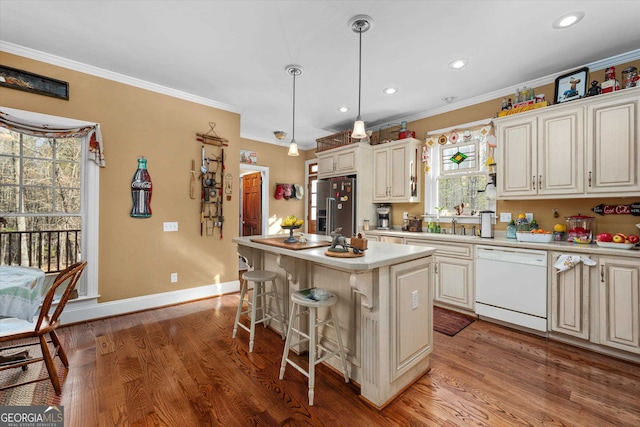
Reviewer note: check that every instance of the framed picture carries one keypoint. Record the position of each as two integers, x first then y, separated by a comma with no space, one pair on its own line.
571,86
29,82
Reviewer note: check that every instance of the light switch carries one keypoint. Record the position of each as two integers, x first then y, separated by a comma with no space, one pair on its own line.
414,299
170,226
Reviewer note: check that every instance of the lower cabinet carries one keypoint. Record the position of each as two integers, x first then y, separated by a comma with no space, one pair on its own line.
454,274
619,303
570,299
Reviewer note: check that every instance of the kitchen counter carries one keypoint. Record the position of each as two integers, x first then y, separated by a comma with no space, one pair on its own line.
502,241
382,296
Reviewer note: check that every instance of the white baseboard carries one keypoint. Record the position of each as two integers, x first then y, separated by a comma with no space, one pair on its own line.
90,310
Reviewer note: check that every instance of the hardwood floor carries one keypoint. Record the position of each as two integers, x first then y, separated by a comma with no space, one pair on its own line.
179,366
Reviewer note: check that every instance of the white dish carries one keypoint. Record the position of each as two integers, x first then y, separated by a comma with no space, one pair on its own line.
534,237
613,245
320,294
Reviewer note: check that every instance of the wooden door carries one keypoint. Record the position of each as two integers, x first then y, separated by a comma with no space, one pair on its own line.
252,204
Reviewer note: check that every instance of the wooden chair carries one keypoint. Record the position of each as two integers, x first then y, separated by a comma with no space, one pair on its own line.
21,334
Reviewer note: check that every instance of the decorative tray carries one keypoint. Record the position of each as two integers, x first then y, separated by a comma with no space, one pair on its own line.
524,236
612,245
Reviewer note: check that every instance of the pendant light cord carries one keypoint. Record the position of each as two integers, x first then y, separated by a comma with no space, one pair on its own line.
293,138
359,71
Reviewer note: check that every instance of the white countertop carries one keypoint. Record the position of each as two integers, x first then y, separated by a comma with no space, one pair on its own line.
378,254
500,240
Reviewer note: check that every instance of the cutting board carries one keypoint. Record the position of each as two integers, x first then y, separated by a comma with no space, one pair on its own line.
279,242
349,254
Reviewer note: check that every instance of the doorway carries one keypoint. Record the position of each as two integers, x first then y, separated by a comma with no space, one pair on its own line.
254,203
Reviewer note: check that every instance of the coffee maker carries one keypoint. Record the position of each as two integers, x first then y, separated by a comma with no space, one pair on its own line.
384,217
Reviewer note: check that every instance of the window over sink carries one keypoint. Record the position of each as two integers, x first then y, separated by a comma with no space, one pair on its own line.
456,183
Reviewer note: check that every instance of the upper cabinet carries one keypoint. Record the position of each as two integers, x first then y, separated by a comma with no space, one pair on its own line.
613,155
395,171
583,148
345,160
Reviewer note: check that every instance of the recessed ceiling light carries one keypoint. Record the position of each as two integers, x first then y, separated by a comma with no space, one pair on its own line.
448,99
390,90
568,20
343,109
458,63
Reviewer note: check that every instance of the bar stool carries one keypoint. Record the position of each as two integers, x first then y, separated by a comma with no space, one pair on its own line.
312,299
258,302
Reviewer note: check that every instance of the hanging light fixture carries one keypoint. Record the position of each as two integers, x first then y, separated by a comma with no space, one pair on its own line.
295,71
360,24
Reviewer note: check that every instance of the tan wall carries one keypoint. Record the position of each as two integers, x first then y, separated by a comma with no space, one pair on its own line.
136,256
542,209
282,169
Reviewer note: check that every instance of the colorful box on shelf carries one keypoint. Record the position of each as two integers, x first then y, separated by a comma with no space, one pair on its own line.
522,108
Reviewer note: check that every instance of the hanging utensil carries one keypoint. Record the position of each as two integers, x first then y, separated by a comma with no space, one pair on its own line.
192,182
203,168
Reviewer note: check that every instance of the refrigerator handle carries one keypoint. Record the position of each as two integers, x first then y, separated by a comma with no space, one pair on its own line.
330,221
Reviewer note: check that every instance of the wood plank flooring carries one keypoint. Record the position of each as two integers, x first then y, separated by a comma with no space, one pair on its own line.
179,366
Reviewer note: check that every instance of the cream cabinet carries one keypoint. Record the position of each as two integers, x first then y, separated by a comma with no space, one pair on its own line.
345,160
541,154
395,172
570,299
584,148
613,155
454,271
619,303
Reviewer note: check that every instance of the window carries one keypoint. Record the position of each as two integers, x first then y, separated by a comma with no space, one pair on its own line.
457,180
41,201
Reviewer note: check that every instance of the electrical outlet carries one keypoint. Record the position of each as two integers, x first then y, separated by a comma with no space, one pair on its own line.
505,216
405,215
170,226
174,277
414,299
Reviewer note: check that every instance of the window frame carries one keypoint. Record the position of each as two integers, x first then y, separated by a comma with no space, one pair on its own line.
89,212
432,177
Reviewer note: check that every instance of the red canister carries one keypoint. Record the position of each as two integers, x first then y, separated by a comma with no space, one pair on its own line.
406,134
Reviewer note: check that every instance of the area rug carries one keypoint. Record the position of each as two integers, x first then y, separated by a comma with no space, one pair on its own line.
450,322
39,393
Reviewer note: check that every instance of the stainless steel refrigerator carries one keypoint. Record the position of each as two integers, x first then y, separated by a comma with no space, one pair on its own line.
336,206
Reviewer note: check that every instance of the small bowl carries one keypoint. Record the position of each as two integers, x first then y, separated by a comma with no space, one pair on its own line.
321,294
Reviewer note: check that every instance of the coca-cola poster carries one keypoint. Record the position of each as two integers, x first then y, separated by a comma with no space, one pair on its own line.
632,209
141,190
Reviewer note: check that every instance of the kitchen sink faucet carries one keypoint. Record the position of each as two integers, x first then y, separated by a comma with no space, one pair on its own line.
453,226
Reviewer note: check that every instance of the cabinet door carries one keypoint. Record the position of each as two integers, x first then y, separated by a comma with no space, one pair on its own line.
560,152
612,145
346,161
399,173
325,165
619,303
454,282
381,175
517,158
570,300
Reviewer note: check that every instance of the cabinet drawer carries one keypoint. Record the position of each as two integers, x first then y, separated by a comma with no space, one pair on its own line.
453,249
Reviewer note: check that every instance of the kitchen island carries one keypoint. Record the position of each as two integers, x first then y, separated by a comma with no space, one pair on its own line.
384,305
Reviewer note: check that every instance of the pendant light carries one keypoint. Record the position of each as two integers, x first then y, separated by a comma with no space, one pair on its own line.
360,24
294,70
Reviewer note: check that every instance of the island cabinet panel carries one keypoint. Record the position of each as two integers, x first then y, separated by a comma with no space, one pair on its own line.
411,340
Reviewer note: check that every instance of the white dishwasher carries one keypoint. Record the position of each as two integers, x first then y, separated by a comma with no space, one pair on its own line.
511,286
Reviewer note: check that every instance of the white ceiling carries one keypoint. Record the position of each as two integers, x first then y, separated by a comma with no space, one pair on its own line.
234,53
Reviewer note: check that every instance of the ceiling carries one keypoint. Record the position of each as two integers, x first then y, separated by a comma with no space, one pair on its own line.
233,54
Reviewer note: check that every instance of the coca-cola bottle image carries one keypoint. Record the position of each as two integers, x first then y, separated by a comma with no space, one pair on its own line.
141,191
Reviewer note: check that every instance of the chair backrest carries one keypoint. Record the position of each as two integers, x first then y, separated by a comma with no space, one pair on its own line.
69,277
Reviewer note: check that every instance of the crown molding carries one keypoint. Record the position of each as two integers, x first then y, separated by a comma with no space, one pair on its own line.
110,75
508,91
